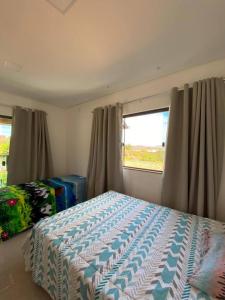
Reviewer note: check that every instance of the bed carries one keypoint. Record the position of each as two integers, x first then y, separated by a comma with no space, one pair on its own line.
118,247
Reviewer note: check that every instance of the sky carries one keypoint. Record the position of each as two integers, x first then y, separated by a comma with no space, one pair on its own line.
147,130
5,129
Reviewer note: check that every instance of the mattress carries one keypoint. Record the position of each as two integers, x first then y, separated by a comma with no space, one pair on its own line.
118,247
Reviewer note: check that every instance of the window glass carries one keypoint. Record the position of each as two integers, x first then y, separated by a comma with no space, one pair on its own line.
144,139
5,134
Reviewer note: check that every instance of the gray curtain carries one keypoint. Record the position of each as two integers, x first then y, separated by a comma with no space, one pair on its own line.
195,148
105,159
29,155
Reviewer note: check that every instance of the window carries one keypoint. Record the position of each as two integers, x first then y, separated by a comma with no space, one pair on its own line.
144,139
5,134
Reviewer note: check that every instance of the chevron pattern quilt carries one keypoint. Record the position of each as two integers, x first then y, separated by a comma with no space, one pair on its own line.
118,247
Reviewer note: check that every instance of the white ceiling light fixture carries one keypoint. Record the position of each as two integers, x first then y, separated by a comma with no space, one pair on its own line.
61,5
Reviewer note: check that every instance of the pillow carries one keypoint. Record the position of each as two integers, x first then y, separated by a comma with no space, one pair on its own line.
205,242
210,276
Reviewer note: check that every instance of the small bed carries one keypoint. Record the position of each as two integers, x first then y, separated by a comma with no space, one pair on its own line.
118,247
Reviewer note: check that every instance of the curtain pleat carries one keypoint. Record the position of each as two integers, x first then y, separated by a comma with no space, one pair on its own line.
105,159
30,154
195,148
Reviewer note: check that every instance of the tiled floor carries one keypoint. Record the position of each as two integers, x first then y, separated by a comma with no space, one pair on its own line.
15,283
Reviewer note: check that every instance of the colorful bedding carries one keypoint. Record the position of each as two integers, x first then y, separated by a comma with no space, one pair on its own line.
118,247
23,205
79,186
65,196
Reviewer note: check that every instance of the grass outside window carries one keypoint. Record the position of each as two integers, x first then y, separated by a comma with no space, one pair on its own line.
5,135
144,139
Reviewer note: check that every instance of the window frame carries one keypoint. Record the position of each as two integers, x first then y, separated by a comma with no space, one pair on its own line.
6,117
10,118
147,112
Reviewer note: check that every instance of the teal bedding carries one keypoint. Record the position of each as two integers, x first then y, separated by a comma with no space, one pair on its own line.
118,247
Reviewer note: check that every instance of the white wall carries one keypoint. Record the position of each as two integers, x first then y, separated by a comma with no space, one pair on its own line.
56,123
70,155
141,184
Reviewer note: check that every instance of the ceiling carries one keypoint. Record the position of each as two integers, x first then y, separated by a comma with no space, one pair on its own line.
98,47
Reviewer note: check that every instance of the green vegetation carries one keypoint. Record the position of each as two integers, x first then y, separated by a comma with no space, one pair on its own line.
4,145
151,158
3,178
4,152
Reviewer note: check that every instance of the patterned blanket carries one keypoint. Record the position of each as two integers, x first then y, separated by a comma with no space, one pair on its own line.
118,247
23,205
65,196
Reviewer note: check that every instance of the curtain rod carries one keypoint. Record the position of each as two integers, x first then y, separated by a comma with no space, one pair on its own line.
13,105
6,105
154,95
127,102
23,107
145,97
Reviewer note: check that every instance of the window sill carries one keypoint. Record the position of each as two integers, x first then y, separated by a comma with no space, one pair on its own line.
142,170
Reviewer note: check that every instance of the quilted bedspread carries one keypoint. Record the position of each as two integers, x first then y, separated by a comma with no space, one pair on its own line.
118,247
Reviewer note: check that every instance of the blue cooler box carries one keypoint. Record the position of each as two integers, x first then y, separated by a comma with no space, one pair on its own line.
79,186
